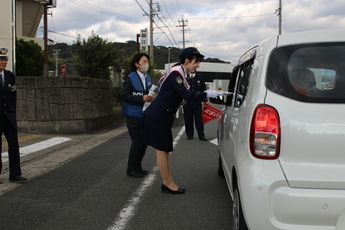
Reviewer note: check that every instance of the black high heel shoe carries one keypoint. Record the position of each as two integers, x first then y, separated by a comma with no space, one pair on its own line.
166,189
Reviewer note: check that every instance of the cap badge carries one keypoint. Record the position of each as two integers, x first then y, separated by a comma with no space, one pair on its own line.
196,51
3,51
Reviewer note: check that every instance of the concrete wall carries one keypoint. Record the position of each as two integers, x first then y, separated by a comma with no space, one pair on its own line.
64,105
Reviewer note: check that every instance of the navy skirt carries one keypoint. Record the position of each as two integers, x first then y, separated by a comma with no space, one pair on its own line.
157,135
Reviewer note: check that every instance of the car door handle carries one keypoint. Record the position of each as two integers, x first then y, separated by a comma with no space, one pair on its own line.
233,123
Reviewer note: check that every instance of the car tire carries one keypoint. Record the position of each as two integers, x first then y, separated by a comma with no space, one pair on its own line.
220,167
238,220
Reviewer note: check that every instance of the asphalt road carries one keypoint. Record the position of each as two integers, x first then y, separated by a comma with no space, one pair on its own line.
83,185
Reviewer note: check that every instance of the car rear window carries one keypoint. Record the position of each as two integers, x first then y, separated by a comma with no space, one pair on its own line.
310,73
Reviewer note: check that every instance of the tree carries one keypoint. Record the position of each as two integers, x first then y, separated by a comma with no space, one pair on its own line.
216,60
29,58
94,57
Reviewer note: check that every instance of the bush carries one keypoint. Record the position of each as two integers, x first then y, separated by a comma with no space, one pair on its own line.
29,58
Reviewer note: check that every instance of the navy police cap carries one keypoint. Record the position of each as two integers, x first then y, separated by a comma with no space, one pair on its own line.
189,52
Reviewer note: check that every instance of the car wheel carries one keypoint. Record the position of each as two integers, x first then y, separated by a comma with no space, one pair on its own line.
220,167
237,215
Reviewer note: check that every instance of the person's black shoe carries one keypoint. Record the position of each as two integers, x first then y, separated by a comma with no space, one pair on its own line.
134,173
203,138
189,138
166,189
19,179
143,172
182,189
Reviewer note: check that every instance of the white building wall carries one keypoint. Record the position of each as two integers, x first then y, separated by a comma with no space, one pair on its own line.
6,28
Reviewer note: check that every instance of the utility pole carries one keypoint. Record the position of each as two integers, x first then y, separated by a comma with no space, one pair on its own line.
183,25
46,4
45,65
151,33
56,55
151,15
279,13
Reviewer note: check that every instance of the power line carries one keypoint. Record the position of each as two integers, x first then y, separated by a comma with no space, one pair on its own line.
80,12
250,16
50,31
156,14
166,9
101,10
178,6
157,25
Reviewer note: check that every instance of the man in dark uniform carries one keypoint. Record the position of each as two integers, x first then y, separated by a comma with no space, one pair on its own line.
8,123
192,110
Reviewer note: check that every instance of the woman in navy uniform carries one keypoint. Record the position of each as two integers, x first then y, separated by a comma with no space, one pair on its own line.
160,114
8,123
134,95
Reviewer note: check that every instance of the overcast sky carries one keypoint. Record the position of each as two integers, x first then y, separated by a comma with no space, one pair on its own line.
221,29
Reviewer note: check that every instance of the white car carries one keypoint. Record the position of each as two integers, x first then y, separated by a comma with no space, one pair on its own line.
281,137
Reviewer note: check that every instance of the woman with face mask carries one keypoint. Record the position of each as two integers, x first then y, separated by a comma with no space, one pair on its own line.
160,115
134,94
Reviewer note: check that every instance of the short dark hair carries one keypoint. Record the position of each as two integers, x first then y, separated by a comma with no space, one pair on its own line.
136,59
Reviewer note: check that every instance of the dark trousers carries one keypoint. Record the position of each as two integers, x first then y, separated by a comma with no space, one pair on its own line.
193,111
11,135
138,148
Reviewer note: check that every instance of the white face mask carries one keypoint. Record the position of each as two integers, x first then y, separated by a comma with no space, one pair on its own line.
144,68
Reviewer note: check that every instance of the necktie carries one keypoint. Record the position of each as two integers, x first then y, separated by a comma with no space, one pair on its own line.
2,80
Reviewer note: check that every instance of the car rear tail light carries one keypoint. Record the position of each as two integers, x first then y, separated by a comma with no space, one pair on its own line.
265,133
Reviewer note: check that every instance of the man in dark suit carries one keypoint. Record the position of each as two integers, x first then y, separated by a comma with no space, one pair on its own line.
192,110
8,123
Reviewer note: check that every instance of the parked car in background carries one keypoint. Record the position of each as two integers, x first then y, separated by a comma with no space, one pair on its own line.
281,137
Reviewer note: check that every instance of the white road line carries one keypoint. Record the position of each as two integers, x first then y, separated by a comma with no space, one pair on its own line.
128,212
38,146
214,141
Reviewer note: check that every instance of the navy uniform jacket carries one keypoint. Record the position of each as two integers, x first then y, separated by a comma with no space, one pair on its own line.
197,83
172,92
8,99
